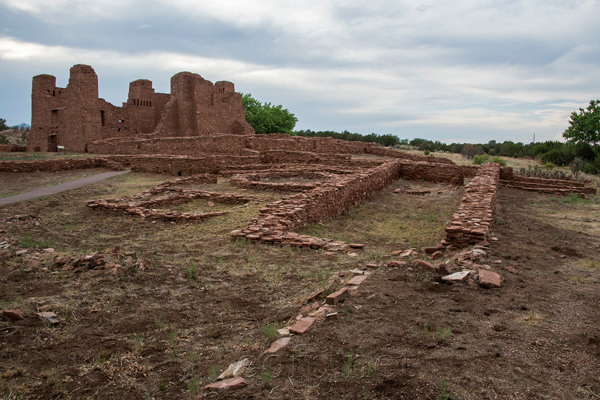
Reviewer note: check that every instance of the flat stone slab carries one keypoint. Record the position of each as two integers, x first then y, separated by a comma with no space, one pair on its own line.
357,280
302,325
457,276
278,345
227,384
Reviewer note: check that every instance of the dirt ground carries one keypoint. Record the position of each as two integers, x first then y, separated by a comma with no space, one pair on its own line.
189,301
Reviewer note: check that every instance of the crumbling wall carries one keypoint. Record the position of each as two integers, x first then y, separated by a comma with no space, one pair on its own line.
387,152
432,172
278,221
12,148
472,222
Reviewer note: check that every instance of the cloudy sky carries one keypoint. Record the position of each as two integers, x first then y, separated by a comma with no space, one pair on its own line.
465,71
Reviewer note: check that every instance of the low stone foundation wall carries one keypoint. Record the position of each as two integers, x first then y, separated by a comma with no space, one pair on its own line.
387,152
440,173
12,148
472,222
552,186
278,221
60,164
144,204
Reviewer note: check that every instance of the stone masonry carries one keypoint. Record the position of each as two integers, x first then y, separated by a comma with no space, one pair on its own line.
75,116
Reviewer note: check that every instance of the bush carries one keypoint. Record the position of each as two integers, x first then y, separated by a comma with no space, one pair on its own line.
499,161
480,159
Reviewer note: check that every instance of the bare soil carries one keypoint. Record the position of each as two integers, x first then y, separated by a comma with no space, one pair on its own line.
168,325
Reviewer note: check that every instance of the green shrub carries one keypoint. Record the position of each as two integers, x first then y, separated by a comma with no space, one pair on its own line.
480,159
500,161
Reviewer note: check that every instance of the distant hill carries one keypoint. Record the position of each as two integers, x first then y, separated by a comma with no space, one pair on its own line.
16,136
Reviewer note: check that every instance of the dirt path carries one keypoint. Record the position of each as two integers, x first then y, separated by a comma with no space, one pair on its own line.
61,187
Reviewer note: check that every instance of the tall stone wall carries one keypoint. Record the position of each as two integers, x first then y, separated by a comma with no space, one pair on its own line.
75,116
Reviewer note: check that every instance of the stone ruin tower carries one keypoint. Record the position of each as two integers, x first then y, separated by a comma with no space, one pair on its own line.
75,116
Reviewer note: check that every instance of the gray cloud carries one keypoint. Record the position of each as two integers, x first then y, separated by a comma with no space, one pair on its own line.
440,70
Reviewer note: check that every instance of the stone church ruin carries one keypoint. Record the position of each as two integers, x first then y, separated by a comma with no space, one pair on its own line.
75,116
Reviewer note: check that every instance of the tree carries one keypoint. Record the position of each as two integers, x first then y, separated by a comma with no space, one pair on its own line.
585,125
267,118
3,125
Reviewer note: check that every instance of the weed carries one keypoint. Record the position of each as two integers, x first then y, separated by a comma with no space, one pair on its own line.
442,334
366,393
162,386
172,335
349,363
137,343
369,370
213,373
427,325
270,332
160,323
347,310
266,377
191,272
193,385
444,392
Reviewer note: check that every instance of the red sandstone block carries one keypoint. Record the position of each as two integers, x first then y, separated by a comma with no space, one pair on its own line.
425,265
336,297
302,325
489,279
357,280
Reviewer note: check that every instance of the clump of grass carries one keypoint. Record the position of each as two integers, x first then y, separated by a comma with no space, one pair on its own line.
270,331
442,334
213,373
266,377
193,385
191,272
444,392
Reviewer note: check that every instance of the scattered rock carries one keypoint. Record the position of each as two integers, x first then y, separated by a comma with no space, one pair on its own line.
336,297
227,384
443,269
357,280
48,317
235,370
457,276
511,270
278,345
436,255
13,315
425,265
302,325
283,332
48,250
396,264
21,252
489,279
357,245
331,316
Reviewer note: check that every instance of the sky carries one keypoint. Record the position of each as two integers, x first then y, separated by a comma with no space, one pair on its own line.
453,71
